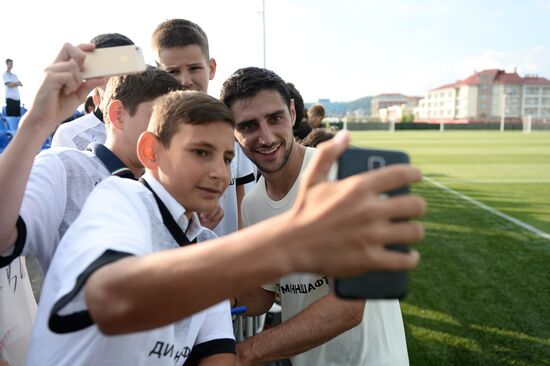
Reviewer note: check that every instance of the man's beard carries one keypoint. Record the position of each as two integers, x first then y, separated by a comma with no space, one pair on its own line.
285,158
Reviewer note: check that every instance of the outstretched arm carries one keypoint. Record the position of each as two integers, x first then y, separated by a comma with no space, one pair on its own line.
320,322
300,240
59,95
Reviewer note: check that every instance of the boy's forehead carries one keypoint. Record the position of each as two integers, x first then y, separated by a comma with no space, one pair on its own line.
180,55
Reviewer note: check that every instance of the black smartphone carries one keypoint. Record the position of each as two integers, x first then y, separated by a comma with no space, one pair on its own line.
373,285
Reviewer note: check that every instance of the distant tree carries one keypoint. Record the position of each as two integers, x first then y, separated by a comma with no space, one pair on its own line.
407,118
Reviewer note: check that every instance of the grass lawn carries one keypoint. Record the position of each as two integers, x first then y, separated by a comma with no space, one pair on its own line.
481,295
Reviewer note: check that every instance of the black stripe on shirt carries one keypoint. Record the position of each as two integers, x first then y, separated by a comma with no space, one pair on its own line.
18,245
213,347
246,179
80,319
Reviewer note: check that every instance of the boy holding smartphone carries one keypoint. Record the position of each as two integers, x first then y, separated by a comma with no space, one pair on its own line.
181,48
128,266
158,289
47,193
126,218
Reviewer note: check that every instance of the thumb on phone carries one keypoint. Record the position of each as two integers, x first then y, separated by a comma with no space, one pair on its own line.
328,152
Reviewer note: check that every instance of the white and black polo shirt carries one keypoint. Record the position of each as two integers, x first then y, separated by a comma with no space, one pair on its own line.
121,218
60,181
81,132
242,172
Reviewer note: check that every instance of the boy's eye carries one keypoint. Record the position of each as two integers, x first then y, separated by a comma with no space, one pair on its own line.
201,153
174,72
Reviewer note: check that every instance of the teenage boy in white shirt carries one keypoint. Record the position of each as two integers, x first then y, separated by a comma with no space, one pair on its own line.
297,241
181,48
187,153
47,193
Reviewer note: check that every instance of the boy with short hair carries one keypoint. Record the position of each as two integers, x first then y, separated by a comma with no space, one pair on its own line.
315,115
128,218
52,188
90,127
155,290
181,48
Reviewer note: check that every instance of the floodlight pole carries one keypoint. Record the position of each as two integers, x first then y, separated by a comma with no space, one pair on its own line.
502,110
263,25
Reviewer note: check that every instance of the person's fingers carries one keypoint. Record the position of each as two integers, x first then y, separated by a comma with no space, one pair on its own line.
387,179
394,208
328,152
389,260
86,47
65,82
386,232
69,66
87,86
68,51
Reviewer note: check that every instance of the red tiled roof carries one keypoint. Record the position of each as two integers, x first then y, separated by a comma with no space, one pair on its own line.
390,95
452,85
498,77
508,78
536,81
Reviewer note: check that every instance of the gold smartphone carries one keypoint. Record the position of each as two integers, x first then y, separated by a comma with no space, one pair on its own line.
111,61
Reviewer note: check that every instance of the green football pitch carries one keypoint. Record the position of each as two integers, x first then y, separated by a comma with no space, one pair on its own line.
481,294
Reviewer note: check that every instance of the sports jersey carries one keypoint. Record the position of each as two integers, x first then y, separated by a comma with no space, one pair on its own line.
17,312
242,172
78,134
378,340
60,181
121,218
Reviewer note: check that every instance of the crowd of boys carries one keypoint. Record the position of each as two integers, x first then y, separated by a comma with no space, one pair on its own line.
136,219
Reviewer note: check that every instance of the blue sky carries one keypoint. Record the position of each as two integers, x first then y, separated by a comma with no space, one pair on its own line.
342,50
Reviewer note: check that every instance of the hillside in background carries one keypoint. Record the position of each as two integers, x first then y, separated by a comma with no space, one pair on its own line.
361,106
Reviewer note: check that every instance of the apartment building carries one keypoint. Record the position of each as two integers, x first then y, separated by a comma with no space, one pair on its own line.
383,101
487,95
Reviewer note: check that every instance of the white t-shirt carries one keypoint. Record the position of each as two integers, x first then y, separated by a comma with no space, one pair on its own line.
78,134
60,181
120,218
380,338
17,312
11,93
242,172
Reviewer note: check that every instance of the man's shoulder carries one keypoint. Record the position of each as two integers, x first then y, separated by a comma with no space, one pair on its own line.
81,123
68,156
256,194
124,185
80,132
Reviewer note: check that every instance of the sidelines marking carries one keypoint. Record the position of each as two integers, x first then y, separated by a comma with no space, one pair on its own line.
483,206
493,181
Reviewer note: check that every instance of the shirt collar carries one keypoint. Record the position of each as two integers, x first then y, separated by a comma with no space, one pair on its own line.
113,164
191,230
99,114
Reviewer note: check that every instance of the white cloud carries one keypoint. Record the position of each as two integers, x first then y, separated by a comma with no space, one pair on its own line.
534,60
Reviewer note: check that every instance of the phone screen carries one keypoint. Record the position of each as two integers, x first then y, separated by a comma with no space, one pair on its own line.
373,285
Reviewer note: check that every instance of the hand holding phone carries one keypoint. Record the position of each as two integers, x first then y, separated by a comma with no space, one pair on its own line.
111,61
373,285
